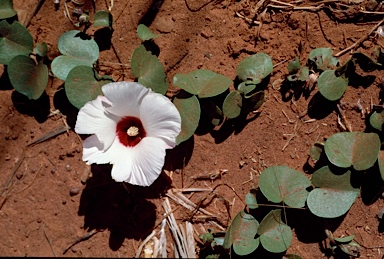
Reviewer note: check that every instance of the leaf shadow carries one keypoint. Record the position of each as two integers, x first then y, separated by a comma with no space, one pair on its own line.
319,107
121,208
179,156
150,15
61,102
39,109
372,185
103,38
5,83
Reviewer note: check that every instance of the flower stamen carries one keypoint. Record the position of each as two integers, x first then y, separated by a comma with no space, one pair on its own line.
133,131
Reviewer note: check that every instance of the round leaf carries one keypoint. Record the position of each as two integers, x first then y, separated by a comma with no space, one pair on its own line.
103,18
15,40
83,85
189,109
6,9
145,33
331,86
358,149
334,195
323,58
232,104
77,49
376,120
246,87
148,69
27,77
344,240
255,68
275,236
284,184
316,151
242,234
204,83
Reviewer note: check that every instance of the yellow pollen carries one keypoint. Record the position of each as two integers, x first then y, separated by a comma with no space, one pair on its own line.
133,131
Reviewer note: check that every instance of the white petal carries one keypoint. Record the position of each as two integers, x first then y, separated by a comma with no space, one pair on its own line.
160,118
125,97
148,161
93,119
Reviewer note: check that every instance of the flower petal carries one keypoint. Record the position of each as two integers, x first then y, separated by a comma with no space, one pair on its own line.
93,119
148,161
160,118
125,97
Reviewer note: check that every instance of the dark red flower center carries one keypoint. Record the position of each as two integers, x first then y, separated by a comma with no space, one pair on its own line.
130,131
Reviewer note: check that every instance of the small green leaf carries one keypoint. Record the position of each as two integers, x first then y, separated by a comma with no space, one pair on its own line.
189,109
294,66
316,151
357,149
242,234
323,58
334,195
145,33
103,18
41,49
148,69
77,49
275,236
376,120
331,86
6,9
250,200
283,184
255,68
346,239
232,104
246,87
204,83
254,101
83,85
15,40
27,77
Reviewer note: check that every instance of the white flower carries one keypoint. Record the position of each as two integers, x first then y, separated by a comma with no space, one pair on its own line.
132,127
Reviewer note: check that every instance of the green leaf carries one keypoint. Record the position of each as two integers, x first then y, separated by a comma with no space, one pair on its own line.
284,184
358,149
15,40
103,18
316,151
254,101
376,120
27,77
346,239
148,69
297,72
323,58
294,66
204,83
275,236
41,49
255,68
246,87
6,9
331,86
189,109
381,163
250,200
242,234
145,33
334,195
77,49
83,85
232,104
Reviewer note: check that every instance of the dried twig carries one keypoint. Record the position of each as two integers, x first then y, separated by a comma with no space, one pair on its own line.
83,238
59,130
49,241
359,41
14,170
138,253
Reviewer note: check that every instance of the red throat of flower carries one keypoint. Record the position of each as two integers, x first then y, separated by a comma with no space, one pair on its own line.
130,131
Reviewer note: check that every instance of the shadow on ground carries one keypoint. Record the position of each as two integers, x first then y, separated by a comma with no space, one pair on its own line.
123,209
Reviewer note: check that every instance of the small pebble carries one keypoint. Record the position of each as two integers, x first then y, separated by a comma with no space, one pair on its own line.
64,202
19,175
68,168
7,157
74,191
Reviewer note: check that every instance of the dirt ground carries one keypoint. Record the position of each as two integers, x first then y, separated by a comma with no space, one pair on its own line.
46,207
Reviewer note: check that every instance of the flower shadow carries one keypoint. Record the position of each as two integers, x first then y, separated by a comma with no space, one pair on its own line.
121,208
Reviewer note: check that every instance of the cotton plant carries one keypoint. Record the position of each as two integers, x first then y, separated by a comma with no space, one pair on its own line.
131,128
